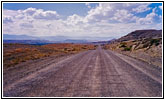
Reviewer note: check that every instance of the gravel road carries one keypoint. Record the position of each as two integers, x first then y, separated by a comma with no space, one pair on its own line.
93,73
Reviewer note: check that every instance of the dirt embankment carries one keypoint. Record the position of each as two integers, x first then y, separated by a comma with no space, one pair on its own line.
93,73
148,50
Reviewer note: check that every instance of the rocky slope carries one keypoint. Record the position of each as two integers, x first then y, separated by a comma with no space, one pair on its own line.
145,45
141,34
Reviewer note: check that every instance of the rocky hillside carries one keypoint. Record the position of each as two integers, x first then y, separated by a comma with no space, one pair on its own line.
141,34
145,45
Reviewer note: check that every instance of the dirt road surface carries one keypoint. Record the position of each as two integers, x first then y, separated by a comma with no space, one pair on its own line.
93,73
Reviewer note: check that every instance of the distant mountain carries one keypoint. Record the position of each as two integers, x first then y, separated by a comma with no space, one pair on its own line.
75,41
24,39
96,39
33,42
18,37
57,39
139,34
54,38
104,42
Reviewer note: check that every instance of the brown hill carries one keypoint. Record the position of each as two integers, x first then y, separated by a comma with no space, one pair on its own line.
141,34
145,45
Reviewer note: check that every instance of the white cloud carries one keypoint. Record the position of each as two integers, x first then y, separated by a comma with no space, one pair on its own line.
74,19
115,12
7,19
48,15
149,19
105,20
141,8
26,25
30,21
103,11
124,16
10,12
29,11
37,14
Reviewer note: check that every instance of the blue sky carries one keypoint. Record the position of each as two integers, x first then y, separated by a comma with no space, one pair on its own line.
80,19
65,9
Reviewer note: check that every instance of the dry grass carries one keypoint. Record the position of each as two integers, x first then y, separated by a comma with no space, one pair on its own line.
16,53
149,50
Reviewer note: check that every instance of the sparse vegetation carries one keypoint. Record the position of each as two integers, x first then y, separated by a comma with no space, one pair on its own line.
127,49
148,49
16,53
155,42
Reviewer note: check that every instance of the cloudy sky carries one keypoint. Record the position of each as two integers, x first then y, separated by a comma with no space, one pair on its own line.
80,19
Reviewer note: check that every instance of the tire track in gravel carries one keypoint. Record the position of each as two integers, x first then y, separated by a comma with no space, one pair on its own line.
80,86
33,77
137,81
94,73
116,85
